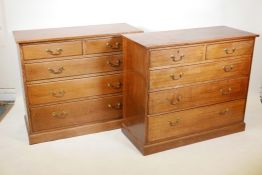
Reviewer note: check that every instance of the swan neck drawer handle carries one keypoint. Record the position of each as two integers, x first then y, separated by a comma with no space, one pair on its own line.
177,58
226,92
174,123
60,115
113,46
176,100
56,71
224,112
117,85
116,64
117,106
228,68
57,51
229,51
177,77
58,94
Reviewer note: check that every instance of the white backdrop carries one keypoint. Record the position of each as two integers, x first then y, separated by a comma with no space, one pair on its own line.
148,15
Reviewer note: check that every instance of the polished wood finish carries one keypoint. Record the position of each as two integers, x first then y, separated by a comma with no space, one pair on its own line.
183,37
181,141
135,87
179,76
50,135
230,49
75,88
67,33
103,45
185,86
50,50
75,113
195,120
72,80
197,95
73,67
176,56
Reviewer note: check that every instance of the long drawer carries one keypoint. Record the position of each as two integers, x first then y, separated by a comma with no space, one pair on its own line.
188,122
73,113
197,95
102,45
75,88
229,49
198,73
50,50
64,68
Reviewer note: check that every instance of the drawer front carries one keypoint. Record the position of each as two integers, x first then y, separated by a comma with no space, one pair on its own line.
197,95
176,56
74,113
188,122
55,69
50,50
229,49
94,46
174,77
76,88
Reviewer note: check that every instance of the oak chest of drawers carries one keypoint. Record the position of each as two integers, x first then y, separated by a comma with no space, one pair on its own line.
185,86
72,79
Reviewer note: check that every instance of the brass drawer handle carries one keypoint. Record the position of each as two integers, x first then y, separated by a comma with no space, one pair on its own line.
229,51
56,71
176,77
174,123
117,106
58,94
113,46
224,112
176,100
117,85
175,59
228,68
56,52
116,64
226,92
59,115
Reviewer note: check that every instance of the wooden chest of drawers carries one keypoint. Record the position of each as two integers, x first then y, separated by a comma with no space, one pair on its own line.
185,86
72,79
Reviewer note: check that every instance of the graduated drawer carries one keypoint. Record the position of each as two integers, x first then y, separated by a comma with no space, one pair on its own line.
94,46
197,95
76,88
64,68
228,49
178,76
74,113
176,56
50,50
178,124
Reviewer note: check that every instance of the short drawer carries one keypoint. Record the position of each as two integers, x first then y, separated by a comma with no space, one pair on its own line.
188,122
76,113
229,49
64,68
197,95
76,88
176,56
51,50
94,46
178,76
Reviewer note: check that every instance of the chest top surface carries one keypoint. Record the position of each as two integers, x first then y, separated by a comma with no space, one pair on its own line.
52,34
187,36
